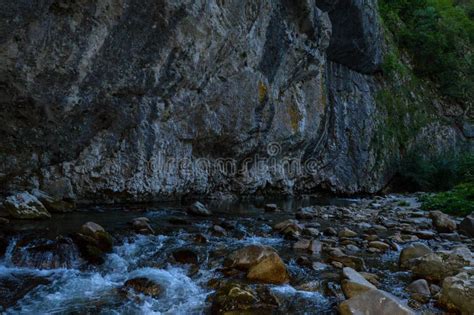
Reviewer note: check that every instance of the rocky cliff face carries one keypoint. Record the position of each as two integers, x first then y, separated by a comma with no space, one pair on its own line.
141,100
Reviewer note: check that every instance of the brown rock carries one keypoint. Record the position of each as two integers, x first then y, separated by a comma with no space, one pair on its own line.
413,251
269,270
374,302
144,286
442,222
355,283
419,290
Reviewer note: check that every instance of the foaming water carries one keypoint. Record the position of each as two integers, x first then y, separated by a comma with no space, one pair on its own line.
80,288
73,290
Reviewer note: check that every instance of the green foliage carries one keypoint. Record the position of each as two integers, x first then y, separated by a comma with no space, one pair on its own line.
459,200
436,173
439,35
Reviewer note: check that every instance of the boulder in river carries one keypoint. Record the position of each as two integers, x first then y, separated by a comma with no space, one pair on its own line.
53,203
374,302
338,256
347,233
25,206
355,283
305,213
439,265
442,222
419,290
467,225
40,253
144,286
235,298
142,225
457,293
289,228
411,252
93,242
262,263
198,209
14,287
379,245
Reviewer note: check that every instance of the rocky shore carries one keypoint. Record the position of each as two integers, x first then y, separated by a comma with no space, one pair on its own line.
381,255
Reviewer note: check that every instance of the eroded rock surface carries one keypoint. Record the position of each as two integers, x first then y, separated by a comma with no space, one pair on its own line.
139,100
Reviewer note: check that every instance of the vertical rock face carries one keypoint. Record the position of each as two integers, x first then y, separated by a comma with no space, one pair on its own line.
138,100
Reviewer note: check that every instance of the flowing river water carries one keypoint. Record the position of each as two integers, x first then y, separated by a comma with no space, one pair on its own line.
75,287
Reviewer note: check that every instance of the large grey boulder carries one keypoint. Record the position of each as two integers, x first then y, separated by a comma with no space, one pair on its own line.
355,283
411,252
458,292
374,302
25,206
467,225
442,264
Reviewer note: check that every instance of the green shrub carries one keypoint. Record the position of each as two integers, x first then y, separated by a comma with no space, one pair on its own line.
435,173
458,201
439,35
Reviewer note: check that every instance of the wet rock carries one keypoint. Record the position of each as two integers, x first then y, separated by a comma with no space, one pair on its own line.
372,278
262,263
309,231
290,228
312,286
198,209
411,252
434,289
25,206
354,262
355,283
144,286
350,248
313,246
425,234
218,230
374,302
234,298
437,266
45,254
467,225
419,290
330,231
442,222
453,237
142,226
379,245
269,270
371,238
270,207
347,233
302,244
93,242
306,213
185,256
14,287
457,293
54,204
